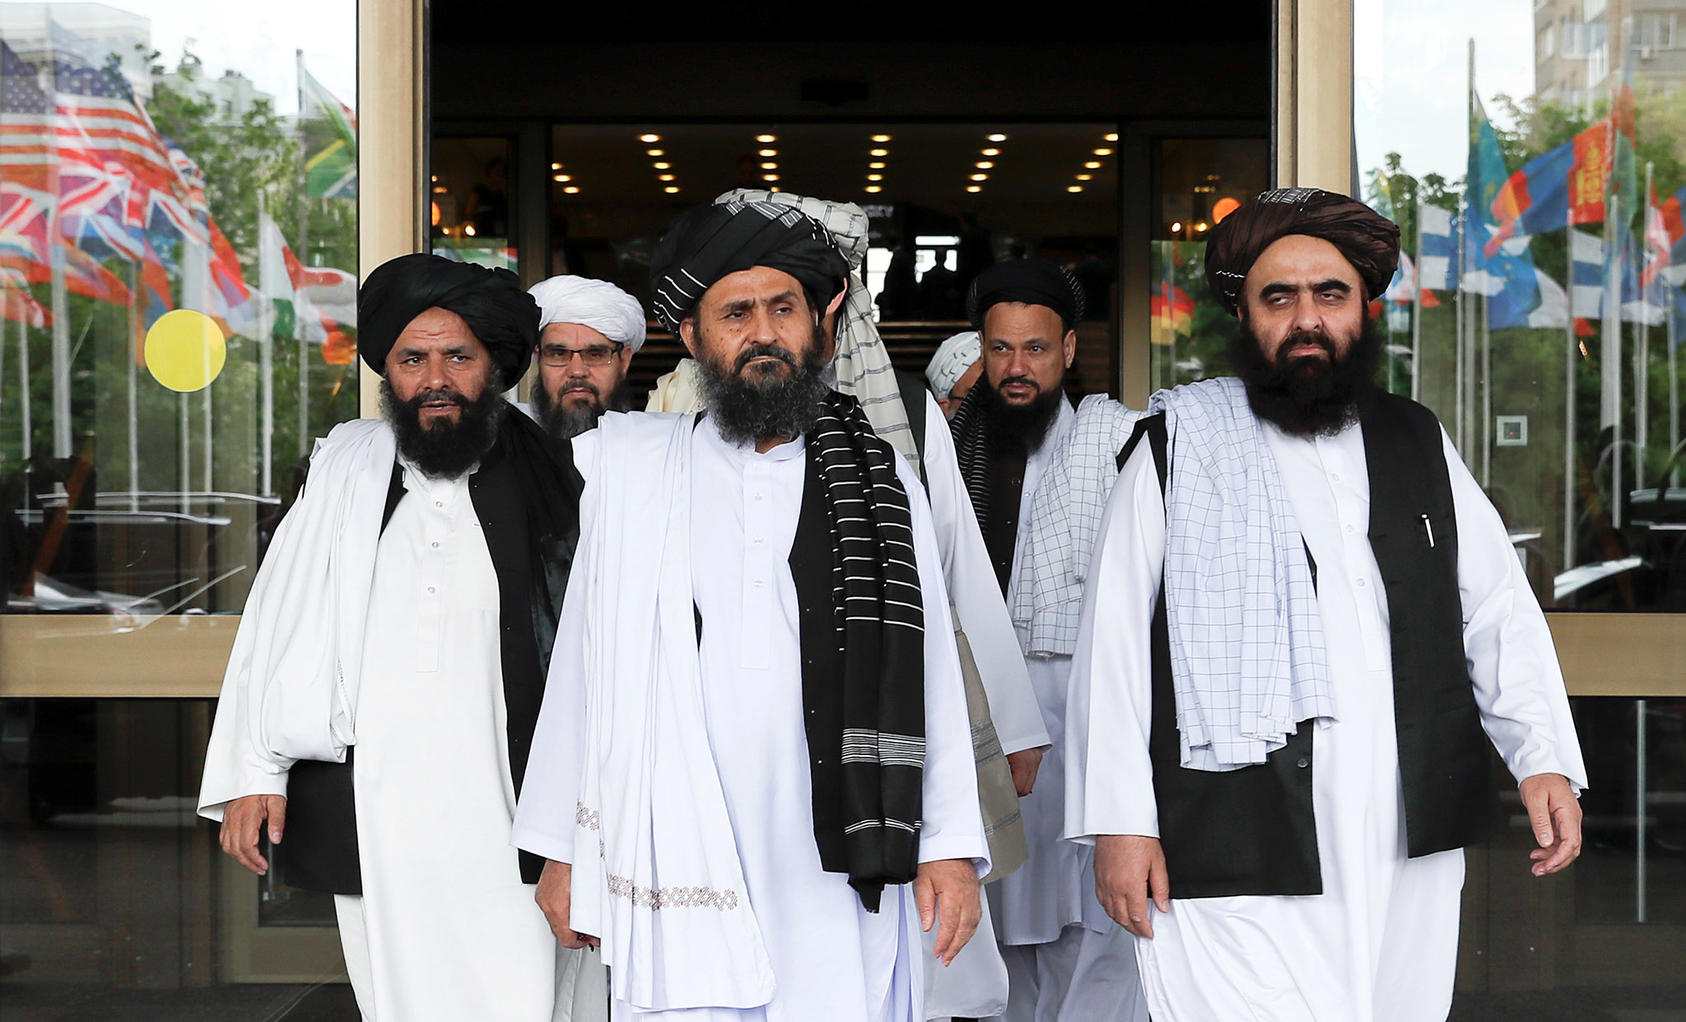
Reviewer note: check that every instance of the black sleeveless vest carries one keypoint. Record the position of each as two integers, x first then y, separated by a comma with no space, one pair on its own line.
1253,831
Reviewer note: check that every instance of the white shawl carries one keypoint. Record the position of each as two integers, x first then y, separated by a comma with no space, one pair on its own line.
665,890
290,690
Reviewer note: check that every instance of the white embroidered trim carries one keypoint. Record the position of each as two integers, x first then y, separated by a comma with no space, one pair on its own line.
653,898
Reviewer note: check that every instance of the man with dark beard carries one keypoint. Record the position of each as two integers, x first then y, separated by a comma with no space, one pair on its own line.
1038,473
1305,628
588,332
406,613
756,765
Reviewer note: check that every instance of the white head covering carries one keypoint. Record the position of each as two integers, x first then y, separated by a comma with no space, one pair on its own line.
954,356
597,304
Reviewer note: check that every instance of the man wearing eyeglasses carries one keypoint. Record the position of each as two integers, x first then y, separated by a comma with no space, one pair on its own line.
588,330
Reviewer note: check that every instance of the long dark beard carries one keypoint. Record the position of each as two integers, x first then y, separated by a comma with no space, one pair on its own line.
1307,397
564,422
752,403
445,450
1017,428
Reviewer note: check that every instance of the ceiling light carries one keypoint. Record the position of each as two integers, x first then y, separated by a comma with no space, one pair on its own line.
766,139
1092,165
1073,188
879,152
874,189
662,166
1176,227
769,166
468,229
436,176
572,190
775,188
992,152
649,139
875,177
974,188
440,189
1085,177
881,138
666,177
1111,136
985,165
1202,226
980,177
998,137
769,177
876,165
655,152
1103,151
769,153
561,177
671,189
556,166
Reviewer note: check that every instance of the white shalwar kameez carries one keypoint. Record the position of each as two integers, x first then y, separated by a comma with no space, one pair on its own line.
1066,959
831,958
444,929
1380,944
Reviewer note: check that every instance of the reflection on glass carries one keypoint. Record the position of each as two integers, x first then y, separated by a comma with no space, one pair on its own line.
471,211
1534,169
177,247
943,202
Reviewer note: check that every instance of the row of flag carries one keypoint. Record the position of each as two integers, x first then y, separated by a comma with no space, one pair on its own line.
87,182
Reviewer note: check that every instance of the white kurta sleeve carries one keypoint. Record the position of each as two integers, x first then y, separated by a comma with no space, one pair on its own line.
1512,661
544,816
976,594
1109,777
953,822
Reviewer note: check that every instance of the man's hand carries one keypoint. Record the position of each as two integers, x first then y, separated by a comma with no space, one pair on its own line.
241,820
553,895
1128,869
1555,815
948,889
1023,764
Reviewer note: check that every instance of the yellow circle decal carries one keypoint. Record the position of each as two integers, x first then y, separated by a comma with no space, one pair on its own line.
185,350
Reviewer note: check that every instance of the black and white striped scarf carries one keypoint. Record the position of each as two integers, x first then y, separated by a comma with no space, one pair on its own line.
971,450
863,652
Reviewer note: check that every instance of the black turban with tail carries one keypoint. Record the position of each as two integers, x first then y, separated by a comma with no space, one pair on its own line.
1368,240
491,301
706,243
1031,281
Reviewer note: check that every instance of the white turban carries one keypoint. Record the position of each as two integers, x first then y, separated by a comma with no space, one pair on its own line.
597,304
954,356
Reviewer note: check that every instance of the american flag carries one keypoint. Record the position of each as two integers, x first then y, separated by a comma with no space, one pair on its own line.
26,198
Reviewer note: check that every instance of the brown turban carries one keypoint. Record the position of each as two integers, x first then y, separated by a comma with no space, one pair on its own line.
1368,240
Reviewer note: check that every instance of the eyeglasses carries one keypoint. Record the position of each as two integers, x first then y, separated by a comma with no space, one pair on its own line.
556,356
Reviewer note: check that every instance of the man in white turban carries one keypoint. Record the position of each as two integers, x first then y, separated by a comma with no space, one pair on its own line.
588,332
954,368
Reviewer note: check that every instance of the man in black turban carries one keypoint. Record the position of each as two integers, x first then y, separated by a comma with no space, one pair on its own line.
405,617
1309,631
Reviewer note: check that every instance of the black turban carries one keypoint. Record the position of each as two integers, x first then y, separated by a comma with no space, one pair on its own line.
1368,240
491,301
706,243
1031,281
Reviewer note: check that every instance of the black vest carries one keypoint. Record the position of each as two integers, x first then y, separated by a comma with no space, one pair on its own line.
1252,831
318,851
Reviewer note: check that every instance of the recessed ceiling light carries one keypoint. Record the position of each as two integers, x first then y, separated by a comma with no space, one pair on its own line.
648,139
769,153
1103,151
874,189
572,189
440,189
655,152
553,166
985,165
980,177
879,152
1202,226
974,188
659,165
998,137
671,189
667,177
561,177
775,188
875,177
1085,177
992,152
1073,188
881,138
436,176
1092,165
1111,136
766,139
769,166
769,177
876,165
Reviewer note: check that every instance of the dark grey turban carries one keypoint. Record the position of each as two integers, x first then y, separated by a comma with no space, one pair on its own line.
1368,240
491,301
706,243
1031,281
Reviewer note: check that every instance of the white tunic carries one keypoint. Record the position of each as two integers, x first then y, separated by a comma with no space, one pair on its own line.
831,959
1380,943
445,929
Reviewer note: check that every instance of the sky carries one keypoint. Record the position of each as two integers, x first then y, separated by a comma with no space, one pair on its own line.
257,38
1411,62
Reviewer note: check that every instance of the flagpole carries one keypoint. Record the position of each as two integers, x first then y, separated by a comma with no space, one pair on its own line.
304,254
1570,346
1673,395
266,383
23,400
132,383
1417,309
1460,302
1485,326
1610,358
1642,353
61,355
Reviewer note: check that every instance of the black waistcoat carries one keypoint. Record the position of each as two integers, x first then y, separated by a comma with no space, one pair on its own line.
1253,831
318,850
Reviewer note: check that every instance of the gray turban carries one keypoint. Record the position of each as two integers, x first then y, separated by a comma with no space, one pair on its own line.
954,356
